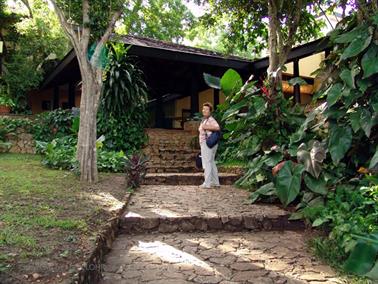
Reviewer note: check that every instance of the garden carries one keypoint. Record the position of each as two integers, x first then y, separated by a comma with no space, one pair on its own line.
320,161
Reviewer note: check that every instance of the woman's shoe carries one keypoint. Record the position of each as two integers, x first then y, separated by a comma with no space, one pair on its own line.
204,186
216,185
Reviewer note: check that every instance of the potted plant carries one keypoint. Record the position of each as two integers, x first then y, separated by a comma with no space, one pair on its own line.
6,103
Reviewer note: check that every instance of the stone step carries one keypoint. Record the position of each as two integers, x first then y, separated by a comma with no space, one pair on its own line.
161,150
159,168
186,178
168,209
171,157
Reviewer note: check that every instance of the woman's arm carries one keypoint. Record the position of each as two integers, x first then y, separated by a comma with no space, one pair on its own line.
212,126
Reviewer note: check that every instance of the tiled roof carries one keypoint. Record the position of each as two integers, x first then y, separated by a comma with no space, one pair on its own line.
154,43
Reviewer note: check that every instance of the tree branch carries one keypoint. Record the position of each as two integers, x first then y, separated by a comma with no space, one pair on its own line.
293,26
105,37
86,28
26,3
68,28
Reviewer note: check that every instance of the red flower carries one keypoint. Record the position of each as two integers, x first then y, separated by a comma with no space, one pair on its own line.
265,91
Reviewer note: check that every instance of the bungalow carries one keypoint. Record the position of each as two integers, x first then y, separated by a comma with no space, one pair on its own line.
174,76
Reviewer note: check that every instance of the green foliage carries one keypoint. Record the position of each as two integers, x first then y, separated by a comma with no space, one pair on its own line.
111,161
39,40
59,153
288,182
253,123
159,19
5,99
334,194
244,26
54,124
122,114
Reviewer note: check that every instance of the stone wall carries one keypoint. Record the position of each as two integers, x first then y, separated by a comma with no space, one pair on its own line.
21,142
170,150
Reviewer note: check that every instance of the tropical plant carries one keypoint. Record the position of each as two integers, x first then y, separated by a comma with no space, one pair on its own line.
7,101
122,114
135,169
54,124
254,123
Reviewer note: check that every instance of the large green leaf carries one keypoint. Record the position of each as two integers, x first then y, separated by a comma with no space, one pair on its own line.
288,182
234,109
312,157
362,258
373,273
339,142
316,185
366,121
364,84
351,35
212,81
265,190
359,44
231,82
374,160
297,81
334,93
374,101
348,77
354,118
369,61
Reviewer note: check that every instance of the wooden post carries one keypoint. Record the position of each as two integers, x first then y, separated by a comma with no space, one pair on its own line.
159,115
194,97
56,97
216,98
297,87
71,94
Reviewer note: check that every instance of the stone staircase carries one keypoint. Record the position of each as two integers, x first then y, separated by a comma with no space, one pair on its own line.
183,234
172,156
169,208
174,232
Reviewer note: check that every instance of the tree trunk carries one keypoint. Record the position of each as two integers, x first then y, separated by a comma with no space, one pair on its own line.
86,145
274,70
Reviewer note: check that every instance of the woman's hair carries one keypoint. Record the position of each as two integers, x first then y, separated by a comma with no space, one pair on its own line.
209,105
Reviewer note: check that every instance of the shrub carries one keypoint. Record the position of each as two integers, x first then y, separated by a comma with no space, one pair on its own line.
111,161
59,153
136,170
122,114
53,124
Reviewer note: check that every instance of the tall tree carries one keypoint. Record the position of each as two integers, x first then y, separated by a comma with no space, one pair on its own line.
273,24
159,19
32,37
88,24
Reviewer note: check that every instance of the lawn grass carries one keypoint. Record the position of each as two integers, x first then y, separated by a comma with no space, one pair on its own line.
48,214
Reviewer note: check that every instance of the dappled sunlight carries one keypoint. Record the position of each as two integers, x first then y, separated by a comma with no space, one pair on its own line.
165,212
170,254
105,199
132,214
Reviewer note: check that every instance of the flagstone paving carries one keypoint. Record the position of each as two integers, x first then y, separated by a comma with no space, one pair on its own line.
248,243
222,257
188,208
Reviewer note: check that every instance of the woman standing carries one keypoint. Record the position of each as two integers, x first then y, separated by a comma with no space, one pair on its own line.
208,125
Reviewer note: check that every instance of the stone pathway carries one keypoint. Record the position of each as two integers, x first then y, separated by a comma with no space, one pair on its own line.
183,234
263,257
188,208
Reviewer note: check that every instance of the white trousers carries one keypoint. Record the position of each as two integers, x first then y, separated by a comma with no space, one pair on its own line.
208,164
